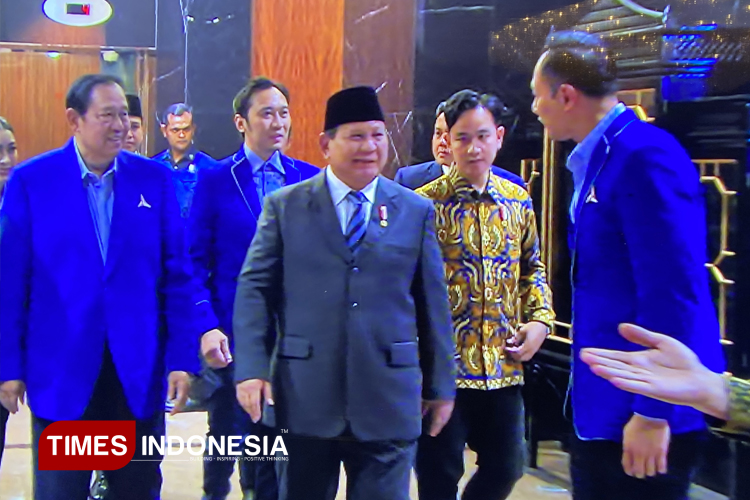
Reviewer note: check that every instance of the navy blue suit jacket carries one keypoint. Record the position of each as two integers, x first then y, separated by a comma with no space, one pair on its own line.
639,254
186,179
417,176
60,304
222,224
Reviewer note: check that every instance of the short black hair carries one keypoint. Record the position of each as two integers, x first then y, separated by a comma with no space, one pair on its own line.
4,125
178,109
581,60
440,110
466,100
243,100
79,94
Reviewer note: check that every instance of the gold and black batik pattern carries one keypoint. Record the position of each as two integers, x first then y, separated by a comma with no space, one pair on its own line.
739,405
496,279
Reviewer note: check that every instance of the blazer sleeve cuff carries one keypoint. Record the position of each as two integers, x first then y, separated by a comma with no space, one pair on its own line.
653,409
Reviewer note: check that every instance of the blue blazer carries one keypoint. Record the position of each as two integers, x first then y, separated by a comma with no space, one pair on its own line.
225,212
639,254
60,305
417,176
186,179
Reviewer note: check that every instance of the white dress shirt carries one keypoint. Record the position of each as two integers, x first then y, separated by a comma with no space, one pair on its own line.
344,206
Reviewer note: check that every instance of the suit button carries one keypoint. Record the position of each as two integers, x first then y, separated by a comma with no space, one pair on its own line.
354,304
355,269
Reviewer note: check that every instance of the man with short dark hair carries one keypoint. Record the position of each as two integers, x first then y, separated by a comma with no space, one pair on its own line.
501,304
228,201
418,175
178,128
97,303
639,247
134,139
345,279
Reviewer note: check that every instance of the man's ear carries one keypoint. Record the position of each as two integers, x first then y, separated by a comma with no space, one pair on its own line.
569,95
500,136
325,142
163,129
239,123
72,117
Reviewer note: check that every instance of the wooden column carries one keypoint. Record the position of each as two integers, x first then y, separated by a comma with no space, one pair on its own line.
301,44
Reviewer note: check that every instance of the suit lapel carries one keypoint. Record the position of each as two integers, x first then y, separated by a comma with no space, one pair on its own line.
435,171
291,172
79,204
599,160
324,214
243,177
126,198
385,204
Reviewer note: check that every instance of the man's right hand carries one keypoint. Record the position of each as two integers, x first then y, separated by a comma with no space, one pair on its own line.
12,394
251,394
440,412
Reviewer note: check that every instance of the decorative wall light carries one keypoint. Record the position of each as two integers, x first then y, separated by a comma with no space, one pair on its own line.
78,13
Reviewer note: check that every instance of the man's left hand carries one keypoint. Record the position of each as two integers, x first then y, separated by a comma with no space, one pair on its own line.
645,444
215,349
179,387
527,341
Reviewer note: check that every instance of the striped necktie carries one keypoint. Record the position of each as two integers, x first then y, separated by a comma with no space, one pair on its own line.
355,230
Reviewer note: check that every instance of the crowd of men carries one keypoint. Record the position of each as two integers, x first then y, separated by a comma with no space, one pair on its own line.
383,324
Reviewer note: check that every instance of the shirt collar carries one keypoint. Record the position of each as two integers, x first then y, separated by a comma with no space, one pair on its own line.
256,162
464,190
85,171
339,189
580,157
188,158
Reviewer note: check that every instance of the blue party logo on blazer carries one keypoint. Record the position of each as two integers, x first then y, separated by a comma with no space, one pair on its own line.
143,203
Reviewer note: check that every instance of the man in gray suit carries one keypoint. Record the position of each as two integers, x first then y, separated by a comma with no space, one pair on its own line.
348,266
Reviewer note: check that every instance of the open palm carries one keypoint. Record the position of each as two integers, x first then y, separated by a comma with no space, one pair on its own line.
668,370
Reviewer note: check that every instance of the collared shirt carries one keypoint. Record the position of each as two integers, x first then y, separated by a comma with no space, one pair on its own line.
267,175
496,278
185,163
100,192
580,157
344,206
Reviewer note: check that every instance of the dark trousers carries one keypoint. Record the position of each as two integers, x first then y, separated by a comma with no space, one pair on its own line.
3,421
135,481
375,470
596,471
227,418
491,423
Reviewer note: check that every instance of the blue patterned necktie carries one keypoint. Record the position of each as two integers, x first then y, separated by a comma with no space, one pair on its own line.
355,230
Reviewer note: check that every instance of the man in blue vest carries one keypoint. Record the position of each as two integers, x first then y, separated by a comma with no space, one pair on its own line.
228,202
181,156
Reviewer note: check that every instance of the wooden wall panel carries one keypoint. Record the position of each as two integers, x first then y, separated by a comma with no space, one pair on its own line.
32,96
379,36
301,44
